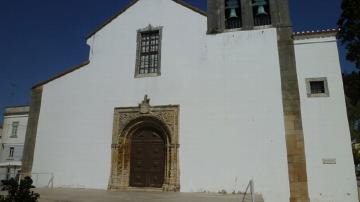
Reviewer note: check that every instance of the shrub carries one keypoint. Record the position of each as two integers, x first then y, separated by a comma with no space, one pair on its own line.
19,192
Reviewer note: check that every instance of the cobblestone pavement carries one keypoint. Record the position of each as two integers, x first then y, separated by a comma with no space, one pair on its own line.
82,195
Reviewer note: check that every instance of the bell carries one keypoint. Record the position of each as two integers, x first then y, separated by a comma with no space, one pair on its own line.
261,7
232,5
261,11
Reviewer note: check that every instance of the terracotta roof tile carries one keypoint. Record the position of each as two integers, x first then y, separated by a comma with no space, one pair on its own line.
315,33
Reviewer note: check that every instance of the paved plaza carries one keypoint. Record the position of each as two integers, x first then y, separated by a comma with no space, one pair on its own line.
82,195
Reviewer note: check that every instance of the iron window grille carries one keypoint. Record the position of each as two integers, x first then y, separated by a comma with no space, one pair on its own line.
317,87
148,61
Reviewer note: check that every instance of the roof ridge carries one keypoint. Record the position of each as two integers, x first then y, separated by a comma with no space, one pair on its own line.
83,64
181,2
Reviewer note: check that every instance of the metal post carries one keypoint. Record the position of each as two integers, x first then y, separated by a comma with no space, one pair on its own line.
20,177
252,190
51,182
37,179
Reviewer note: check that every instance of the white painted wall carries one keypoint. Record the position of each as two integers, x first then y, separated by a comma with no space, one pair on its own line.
325,123
231,118
229,92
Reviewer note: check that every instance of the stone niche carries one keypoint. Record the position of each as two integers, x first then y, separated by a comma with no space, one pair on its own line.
127,121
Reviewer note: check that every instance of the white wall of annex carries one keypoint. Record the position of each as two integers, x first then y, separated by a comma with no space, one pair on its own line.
227,85
325,123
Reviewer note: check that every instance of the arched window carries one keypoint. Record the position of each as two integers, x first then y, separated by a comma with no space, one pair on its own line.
232,14
261,11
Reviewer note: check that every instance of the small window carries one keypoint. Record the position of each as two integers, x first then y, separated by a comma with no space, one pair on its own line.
232,14
317,87
14,131
11,154
148,52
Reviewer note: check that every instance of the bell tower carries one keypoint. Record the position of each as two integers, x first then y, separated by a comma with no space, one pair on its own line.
243,15
246,14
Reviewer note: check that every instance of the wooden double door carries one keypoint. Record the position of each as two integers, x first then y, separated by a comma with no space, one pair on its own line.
147,159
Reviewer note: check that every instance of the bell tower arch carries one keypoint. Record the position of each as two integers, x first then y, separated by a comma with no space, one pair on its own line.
246,14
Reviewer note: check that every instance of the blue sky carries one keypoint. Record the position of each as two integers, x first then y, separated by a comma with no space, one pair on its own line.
41,38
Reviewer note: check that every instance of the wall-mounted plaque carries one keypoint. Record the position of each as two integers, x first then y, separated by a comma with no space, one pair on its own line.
329,161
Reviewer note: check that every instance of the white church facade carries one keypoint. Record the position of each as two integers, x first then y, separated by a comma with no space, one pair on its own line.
175,99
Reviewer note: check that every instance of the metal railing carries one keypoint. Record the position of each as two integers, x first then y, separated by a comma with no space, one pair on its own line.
46,178
250,186
40,180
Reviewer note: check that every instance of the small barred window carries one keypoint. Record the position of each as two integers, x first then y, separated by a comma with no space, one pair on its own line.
148,53
317,87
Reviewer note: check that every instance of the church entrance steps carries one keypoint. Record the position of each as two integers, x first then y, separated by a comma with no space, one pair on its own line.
92,195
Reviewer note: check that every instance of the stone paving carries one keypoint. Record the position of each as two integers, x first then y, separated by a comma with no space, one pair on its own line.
93,195
82,195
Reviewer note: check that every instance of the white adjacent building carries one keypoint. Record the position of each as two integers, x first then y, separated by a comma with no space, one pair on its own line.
12,140
176,99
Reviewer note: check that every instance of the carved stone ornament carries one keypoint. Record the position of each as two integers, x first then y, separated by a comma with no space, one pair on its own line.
145,105
129,120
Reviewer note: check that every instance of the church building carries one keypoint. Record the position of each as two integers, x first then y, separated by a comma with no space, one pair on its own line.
177,99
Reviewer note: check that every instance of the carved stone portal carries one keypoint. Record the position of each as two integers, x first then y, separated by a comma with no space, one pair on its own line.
129,120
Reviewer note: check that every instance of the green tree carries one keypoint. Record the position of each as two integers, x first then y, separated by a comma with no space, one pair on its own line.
353,115
352,92
19,192
349,24
352,87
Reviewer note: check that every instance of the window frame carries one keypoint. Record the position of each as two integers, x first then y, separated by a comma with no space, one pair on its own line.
149,28
11,152
14,135
314,95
